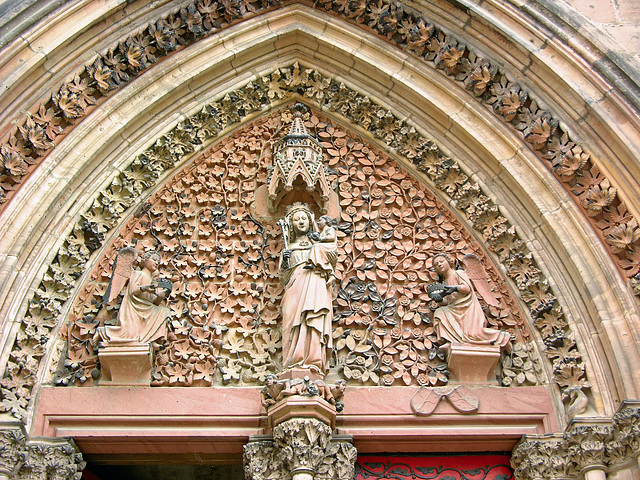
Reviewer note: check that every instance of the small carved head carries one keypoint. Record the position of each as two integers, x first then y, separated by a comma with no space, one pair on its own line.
441,261
325,220
151,255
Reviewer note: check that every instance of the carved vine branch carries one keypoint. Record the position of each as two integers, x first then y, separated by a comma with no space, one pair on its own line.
24,148
145,170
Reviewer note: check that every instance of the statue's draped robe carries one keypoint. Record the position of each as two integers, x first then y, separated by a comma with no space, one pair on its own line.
306,310
463,321
141,321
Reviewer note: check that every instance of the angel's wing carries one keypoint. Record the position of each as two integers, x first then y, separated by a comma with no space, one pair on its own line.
480,279
122,270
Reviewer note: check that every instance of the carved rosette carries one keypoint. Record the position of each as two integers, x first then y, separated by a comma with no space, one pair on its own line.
302,448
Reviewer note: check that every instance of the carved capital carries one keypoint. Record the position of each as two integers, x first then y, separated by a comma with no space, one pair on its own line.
303,442
540,457
51,458
587,445
300,449
13,450
625,443
23,458
262,460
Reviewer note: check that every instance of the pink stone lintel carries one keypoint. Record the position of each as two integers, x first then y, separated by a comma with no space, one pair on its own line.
126,365
473,364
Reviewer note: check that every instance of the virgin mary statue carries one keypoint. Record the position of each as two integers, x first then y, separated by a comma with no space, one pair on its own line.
307,264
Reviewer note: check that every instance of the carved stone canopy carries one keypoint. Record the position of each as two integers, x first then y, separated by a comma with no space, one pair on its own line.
298,162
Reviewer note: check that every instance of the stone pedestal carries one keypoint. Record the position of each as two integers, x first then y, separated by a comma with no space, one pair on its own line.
473,364
126,365
303,407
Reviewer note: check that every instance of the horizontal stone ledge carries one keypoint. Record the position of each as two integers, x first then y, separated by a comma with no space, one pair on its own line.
197,421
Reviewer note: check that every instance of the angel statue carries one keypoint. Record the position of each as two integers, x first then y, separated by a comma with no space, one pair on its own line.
307,266
460,319
142,317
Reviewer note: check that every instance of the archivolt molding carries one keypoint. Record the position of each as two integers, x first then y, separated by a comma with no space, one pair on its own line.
37,134
28,343
24,369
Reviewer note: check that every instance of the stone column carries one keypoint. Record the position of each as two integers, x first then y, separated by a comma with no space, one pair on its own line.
301,445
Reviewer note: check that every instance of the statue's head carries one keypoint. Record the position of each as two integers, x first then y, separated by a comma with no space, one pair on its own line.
300,220
151,255
441,261
325,220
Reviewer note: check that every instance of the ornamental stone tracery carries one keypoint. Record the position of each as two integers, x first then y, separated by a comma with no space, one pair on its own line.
25,147
143,172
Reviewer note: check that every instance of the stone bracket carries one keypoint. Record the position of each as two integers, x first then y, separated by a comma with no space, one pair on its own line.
126,365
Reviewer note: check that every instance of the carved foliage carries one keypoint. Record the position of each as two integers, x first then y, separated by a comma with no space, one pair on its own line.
20,458
585,446
300,446
27,145
223,263
143,172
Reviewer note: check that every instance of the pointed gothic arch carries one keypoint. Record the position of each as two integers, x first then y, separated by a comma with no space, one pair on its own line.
85,162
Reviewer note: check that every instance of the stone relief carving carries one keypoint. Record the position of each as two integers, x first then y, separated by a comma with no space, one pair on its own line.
307,268
29,143
425,400
26,459
227,265
275,390
141,315
298,156
89,234
589,444
460,318
300,449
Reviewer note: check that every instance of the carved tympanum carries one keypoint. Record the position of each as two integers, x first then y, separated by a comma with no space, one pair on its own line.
227,296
